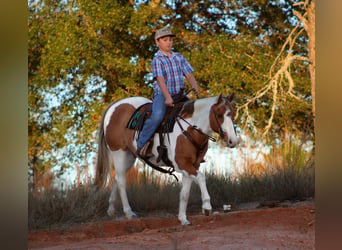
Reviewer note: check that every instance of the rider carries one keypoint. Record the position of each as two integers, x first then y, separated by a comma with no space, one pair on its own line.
169,69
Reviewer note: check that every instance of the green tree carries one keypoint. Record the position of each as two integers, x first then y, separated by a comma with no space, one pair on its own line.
84,54
257,49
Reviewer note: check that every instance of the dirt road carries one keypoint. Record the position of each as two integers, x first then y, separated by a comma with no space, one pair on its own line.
291,227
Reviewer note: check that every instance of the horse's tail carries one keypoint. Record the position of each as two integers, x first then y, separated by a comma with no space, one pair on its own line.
103,163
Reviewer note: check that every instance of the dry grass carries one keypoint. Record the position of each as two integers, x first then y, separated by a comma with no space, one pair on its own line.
287,174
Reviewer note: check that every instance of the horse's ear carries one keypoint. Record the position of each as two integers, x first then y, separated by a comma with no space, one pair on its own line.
231,97
219,99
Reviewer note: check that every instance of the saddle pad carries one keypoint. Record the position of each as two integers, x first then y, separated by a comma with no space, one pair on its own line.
143,112
139,116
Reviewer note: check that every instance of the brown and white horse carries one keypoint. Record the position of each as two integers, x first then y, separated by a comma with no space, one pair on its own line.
214,114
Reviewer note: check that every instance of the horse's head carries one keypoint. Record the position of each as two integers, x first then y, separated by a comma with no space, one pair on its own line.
222,120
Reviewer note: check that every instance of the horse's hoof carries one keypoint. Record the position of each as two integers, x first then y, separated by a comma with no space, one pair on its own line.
111,212
186,223
131,216
207,212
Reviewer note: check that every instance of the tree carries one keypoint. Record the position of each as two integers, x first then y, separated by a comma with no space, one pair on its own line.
309,22
82,55
262,56
85,54
281,83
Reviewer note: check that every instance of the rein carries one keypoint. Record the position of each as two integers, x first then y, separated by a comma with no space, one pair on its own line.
219,126
169,171
195,127
199,147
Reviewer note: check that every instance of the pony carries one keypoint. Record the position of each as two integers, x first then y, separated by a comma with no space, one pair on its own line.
186,146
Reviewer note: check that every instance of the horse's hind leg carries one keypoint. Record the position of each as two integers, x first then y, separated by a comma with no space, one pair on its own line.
112,198
123,160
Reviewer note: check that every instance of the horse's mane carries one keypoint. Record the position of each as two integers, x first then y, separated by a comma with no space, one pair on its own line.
188,109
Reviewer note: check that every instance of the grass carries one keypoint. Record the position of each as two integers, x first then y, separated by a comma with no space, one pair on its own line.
287,174
52,208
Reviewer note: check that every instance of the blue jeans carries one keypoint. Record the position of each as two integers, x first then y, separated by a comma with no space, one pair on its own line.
152,123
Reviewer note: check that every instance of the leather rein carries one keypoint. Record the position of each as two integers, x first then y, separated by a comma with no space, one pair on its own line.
199,147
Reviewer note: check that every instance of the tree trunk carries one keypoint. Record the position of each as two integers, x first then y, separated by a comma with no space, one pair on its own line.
312,52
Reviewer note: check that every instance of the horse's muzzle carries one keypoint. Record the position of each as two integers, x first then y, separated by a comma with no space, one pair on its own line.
232,143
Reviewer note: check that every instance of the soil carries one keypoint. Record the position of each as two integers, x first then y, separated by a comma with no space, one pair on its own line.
266,225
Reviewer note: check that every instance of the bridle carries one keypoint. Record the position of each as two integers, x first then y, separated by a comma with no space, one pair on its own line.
219,126
220,131
199,147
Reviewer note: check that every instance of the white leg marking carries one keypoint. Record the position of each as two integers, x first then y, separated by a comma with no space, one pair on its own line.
183,199
112,198
200,180
123,160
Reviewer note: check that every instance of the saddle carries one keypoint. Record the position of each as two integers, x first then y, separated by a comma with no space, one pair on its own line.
143,112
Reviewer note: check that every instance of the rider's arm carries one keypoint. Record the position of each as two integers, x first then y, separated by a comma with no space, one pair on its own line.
163,88
191,79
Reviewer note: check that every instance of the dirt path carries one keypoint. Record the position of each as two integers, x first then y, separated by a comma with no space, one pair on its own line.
267,228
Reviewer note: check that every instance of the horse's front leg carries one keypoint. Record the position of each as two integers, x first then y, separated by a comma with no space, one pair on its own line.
183,199
206,205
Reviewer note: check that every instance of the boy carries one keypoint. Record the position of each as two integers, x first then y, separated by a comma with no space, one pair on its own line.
169,69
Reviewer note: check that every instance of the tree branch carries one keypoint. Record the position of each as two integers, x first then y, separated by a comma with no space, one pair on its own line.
274,82
302,19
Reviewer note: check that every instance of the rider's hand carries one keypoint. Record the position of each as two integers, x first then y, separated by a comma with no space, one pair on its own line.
169,102
196,91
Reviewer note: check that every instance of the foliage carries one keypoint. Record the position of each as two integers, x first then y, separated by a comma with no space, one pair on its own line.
82,55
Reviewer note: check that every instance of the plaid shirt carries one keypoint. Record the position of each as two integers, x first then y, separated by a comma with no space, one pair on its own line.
173,69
